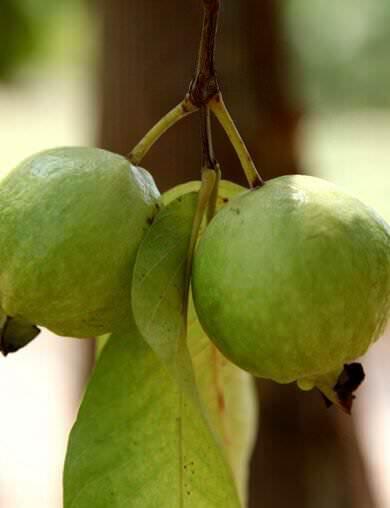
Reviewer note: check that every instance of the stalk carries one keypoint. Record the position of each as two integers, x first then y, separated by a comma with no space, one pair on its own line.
222,114
183,109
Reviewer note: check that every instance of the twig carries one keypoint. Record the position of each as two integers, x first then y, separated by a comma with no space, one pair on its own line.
184,108
204,94
220,110
205,84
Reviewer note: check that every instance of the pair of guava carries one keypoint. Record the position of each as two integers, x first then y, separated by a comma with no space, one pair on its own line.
71,221
292,281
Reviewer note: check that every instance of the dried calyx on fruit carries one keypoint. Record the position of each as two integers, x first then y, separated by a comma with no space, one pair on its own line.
292,282
15,333
71,221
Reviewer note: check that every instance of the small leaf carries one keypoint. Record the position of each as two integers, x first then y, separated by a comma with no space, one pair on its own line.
159,287
16,333
159,279
138,442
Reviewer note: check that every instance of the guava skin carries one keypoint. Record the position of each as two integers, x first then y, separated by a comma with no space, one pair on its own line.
71,221
292,280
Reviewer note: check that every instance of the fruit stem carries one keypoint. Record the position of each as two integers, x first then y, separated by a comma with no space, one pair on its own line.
183,109
208,158
220,110
209,177
212,206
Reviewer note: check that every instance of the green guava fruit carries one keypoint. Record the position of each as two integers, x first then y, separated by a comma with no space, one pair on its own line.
292,280
71,221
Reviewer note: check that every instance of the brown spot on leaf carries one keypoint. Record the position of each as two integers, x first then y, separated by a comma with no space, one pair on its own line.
221,402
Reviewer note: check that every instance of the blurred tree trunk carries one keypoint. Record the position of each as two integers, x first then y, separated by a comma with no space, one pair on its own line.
306,456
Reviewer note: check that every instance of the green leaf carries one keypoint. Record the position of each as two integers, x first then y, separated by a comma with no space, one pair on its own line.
226,392
159,279
138,442
229,395
159,287
16,333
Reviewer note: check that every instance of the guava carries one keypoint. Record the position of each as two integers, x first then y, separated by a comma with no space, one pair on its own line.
71,221
292,281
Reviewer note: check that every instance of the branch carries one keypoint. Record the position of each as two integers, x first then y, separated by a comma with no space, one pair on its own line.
204,86
204,93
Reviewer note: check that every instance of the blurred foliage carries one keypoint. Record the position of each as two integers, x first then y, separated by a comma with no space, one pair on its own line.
18,36
44,31
340,52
